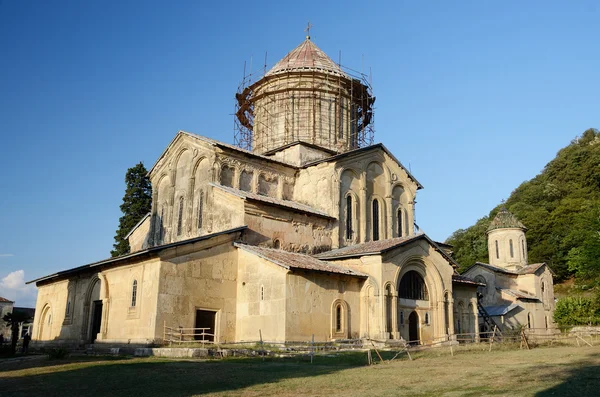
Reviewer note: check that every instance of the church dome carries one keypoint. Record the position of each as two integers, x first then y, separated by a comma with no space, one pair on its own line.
307,57
505,220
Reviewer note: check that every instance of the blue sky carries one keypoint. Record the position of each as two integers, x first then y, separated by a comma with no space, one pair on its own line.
476,97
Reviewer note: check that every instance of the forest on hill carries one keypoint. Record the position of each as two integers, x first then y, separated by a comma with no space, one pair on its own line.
560,208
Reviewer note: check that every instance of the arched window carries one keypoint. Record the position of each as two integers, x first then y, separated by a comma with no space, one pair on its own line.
399,222
200,208
180,217
348,217
512,253
427,318
276,244
543,287
134,293
68,311
412,286
497,251
481,289
375,220
401,318
161,223
529,322
523,248
338,318
262,292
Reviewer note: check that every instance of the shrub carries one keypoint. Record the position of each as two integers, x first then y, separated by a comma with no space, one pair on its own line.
58,353
577,311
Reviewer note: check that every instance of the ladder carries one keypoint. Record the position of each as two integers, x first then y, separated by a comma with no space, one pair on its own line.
488,320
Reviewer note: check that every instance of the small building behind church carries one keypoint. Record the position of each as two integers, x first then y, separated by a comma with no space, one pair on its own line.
514,293
304,227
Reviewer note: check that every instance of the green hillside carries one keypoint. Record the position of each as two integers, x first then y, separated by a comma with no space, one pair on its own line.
561,209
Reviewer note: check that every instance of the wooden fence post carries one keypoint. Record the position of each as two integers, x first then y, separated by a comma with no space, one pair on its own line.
492,338
312,348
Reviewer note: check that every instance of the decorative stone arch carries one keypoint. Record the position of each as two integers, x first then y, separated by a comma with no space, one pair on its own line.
341,170
369,294
268,184
380,162
197,164
435,288
229,180
160,204
87,312
340,319
448,313
470,315
427,270
460,311
243,185
44,331
178,155
390,308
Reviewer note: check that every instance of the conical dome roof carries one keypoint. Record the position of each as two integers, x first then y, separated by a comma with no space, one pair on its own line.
306,57
505,220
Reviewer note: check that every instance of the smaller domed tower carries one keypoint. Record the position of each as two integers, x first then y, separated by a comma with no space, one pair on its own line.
507,245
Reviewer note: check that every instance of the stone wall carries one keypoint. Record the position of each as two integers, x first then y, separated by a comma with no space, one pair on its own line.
261,303
199,277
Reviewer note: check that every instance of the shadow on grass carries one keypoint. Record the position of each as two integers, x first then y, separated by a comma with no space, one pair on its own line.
162,377
580,379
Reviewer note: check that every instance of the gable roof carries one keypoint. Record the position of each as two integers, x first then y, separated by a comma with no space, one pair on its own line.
4,300
381,246
219,144
465,280
137,254
293,260
500,310
529,269
376,146
137,225
518,294
271,200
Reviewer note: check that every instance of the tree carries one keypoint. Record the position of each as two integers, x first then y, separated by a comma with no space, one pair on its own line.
559,207
14,320
137,202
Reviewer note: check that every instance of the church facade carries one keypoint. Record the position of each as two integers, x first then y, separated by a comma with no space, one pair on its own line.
306,229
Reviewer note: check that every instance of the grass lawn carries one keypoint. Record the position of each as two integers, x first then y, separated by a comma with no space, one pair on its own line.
550,371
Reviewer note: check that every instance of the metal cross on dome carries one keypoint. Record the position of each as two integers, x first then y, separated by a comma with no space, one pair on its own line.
307,30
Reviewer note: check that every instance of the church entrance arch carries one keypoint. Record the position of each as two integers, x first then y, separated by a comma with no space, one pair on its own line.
45,324
93,306
413,328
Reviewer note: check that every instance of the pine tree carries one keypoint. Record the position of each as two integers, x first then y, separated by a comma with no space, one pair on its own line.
137,202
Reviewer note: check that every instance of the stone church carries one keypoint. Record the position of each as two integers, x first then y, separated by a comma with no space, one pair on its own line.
513,292
304,227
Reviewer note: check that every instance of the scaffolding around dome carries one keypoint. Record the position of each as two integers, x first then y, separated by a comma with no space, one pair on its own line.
305,97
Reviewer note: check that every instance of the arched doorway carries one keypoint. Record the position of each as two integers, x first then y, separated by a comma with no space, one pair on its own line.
45,324
413,327
95,320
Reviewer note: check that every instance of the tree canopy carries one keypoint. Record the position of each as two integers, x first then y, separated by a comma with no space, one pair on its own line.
137,202
561,209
